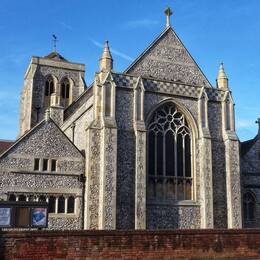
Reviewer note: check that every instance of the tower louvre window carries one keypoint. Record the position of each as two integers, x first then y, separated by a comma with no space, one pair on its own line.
65,88
169,155
49,86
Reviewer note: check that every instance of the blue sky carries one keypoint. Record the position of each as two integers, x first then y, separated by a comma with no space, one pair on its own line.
213,31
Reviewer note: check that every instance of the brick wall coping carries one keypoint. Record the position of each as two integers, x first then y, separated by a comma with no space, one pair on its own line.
191,232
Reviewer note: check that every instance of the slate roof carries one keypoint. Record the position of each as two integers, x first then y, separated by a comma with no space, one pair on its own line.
246,146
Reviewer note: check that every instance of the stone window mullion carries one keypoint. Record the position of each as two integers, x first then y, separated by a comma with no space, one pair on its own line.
184,166
176,166
56,205
66,205
164,167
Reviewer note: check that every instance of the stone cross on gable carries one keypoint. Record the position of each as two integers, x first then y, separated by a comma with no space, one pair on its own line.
54,39
258,122
168,13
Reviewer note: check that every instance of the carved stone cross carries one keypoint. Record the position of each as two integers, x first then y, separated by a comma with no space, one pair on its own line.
168,13
54,39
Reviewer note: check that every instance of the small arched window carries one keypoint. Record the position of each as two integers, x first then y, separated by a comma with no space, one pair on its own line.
42,198
52,204
71,205
249,206
22,198
49,86
169,155
61,204
12,197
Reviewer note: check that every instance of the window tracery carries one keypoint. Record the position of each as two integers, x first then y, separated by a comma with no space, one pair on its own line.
169,155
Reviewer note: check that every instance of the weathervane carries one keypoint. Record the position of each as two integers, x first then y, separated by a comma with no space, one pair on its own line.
168,13
54,39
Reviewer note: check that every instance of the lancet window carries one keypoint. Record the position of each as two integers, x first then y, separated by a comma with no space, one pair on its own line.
249,207
169,155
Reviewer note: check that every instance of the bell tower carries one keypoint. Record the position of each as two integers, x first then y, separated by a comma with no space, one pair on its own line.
50,81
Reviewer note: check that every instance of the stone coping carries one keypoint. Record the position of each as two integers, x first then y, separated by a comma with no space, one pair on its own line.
63,233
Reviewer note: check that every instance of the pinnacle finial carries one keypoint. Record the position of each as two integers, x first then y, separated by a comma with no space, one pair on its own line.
222,79
258,122
168,13
106,60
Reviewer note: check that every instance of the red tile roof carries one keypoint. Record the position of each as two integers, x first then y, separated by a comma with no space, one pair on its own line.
5,144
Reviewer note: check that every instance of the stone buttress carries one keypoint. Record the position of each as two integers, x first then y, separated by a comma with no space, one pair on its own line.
101,158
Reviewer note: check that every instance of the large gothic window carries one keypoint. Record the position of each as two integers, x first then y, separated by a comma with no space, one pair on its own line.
249,207
169,155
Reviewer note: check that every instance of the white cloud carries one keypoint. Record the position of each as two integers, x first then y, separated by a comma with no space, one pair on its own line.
244,123
113,51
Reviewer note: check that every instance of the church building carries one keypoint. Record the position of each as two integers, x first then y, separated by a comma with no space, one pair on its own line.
153,147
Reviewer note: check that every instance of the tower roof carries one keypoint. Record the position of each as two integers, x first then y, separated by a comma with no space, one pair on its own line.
55,56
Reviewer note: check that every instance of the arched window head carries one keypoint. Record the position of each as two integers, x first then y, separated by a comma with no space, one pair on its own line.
49,86
169,155
249,207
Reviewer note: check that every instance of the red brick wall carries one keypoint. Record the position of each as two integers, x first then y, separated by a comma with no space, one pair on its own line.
172,244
